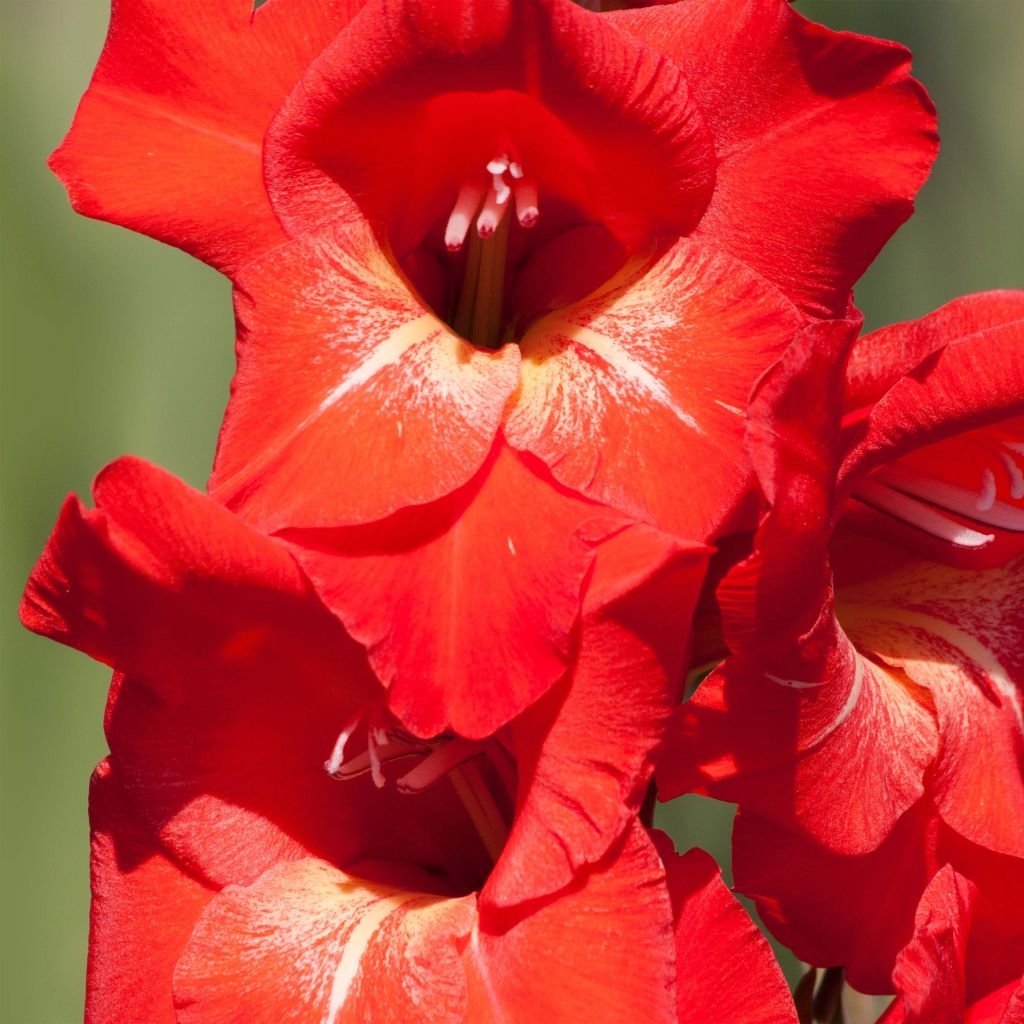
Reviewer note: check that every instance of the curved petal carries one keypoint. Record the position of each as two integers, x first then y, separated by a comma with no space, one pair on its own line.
960,636
118,582
929,972
824,739
778,92
727,970
579,785
955,967
309,943
832,910
167,139
969,383
466,605
598,951
879,359
660,363
596,118
137,893
352,400
848,743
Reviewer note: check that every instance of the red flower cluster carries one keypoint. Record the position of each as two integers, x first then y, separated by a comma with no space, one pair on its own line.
548,391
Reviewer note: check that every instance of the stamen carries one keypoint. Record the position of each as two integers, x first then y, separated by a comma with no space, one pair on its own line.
925,517
479,309
987,494
527,209
438,764
495,208
375,769
333,764
468,202
490,288
981,506
1015,474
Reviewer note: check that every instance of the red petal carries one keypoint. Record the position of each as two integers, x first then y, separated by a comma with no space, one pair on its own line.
1003,1006
578,786
428,93
822,138
309,943
833,910
143,910
825,739
465,605
117,582
929,972
727,970
659,362
971,382
782,725
599,951
168,138
959,635
878,360
352,400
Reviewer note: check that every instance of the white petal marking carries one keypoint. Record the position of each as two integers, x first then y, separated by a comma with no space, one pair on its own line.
847,709
985,659
628,367
387,353
355,946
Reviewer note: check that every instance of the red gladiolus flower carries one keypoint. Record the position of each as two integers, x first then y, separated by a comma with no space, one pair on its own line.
848,719
390,141
235,879
404,189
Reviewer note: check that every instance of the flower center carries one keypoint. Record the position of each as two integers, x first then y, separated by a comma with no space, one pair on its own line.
481,773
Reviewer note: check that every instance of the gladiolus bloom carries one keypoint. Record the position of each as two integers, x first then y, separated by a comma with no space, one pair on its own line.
432,173
236,836
848,719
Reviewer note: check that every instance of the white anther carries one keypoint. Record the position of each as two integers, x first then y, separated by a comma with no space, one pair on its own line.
444,758
375,770
987,495
491,215
1015,474
501,189
468,202
527,209
337,759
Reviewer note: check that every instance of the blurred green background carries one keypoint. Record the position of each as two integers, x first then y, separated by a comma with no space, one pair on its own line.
113,343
